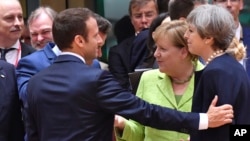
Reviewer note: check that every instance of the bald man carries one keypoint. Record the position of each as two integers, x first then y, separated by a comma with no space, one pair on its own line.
11,26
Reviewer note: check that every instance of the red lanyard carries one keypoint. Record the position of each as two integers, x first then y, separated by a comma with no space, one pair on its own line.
18,53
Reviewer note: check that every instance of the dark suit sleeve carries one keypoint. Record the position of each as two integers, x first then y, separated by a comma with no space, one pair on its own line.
11,114
118,67
139,50
17,125
30,124
26,49
231,88
31,129
119,101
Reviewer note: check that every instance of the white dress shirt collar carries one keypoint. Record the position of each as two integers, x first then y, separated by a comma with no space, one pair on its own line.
74,54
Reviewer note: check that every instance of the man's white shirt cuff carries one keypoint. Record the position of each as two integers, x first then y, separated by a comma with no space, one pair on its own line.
203,121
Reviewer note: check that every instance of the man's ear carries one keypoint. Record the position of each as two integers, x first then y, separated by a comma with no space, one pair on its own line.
79,40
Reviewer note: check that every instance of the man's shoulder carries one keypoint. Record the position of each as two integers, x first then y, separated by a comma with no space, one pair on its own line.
124,46
6,65
41,54
126,42
27,47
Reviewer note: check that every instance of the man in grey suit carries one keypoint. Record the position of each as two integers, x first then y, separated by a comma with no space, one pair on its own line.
70,101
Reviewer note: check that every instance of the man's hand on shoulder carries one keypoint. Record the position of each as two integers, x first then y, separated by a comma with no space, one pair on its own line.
221,115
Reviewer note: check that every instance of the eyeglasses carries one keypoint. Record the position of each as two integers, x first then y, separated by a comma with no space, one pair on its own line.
224,1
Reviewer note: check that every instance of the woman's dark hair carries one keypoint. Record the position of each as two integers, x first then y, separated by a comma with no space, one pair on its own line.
162,5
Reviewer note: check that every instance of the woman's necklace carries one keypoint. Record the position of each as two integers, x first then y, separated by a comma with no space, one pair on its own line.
176,81
214,55
179,82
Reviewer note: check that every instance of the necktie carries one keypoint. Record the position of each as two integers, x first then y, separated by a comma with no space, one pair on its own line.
4,51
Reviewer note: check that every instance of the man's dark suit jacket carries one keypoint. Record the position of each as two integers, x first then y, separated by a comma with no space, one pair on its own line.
119,61
246,41
11,125
70,101
225,77
30,65
26,50
127,56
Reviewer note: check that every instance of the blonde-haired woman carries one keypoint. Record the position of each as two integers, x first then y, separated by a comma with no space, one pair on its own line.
172,85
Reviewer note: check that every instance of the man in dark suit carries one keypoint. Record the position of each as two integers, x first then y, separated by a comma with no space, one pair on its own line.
11,125
130,53
11,26
70,100
32,64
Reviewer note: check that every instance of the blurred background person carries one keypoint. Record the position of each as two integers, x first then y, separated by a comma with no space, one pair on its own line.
123,58
121,33
11,27
162,6
105,27
234,7
40,25
149,61
25,37
30,65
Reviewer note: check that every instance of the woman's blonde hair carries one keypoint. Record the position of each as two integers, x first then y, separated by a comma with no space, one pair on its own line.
174,31
236,49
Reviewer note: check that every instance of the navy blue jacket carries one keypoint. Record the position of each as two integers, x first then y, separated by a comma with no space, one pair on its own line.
127,56
70,101
224,76
11,124
32,64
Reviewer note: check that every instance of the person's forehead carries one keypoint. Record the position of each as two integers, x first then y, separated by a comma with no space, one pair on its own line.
7,4
235,2
92,24
41,19
10,7
144,5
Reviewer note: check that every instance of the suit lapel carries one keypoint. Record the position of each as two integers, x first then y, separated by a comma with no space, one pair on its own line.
164,86
188,94
26,49
49,52
2,83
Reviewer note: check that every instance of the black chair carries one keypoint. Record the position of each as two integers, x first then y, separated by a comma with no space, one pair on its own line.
134,78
